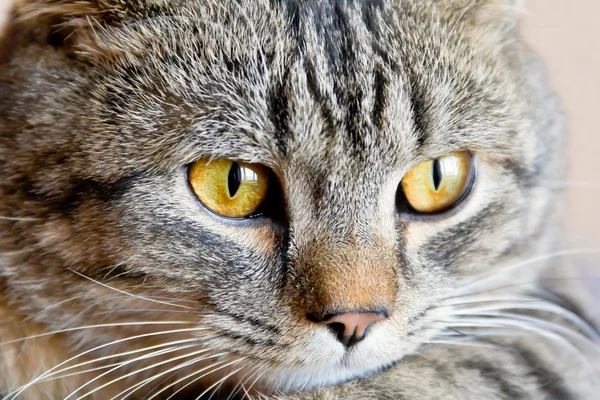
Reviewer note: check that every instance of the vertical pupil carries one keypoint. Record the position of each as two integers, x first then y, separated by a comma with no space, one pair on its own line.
437,174
234,179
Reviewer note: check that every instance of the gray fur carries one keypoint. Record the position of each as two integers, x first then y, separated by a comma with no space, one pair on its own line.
340,99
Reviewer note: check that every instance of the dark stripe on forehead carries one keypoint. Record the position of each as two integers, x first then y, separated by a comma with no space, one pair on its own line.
315,92
494,375
279,113
346,85
369,8
419,107
293,12
381,94
339,39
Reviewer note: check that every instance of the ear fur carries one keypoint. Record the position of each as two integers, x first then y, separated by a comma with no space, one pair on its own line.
68,24
499,11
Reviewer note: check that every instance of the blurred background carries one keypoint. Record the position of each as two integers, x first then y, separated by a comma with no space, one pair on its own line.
566,34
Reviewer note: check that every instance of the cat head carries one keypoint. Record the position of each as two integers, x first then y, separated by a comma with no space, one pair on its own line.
114,113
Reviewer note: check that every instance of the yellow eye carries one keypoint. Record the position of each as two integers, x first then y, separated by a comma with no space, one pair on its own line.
437,185
231,189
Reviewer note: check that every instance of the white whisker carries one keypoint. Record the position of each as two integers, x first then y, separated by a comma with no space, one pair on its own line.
120,324
86,371
526,303
220,381
247,391
477,333
170,370
534,321
158,346
242,382
184,379
13,395
127,293
533,260
508,323
144,357
464,343
573,184
19,219
202,376
52,306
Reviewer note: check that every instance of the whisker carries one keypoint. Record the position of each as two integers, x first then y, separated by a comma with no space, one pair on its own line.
19,218
220,383
51,307
527,303
173,369
533,260
222,379
464,343
573,184
247,391
120,324
184,379
197,379
86,371
150,310
144,357
530,283
478,333
242,382
13,395
126,293
158,346
542,323
504,322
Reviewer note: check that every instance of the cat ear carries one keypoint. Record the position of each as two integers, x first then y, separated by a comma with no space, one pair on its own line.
499,11
73,25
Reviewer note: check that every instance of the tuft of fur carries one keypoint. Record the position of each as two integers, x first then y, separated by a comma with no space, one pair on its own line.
115,280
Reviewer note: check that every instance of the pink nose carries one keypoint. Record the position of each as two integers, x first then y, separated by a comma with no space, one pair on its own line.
351,328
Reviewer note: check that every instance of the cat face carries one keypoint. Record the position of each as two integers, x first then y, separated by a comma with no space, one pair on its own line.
338,101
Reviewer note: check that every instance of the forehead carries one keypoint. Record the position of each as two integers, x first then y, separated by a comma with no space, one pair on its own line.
318,84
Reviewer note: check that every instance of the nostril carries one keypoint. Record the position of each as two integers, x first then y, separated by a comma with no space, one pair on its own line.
349,328
338,330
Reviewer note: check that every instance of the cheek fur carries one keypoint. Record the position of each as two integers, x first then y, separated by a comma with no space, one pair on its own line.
106,255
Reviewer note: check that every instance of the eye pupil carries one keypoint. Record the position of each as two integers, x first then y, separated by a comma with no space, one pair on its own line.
437,174
234,180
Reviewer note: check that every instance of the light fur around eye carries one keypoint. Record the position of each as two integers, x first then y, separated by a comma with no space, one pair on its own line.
228,188
436,185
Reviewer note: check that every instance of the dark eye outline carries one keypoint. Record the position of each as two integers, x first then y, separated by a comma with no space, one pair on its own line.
406,212
272,208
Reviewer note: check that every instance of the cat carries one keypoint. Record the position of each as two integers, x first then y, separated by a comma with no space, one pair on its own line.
283,199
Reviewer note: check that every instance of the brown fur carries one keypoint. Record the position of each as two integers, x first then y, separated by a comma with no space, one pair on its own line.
104,106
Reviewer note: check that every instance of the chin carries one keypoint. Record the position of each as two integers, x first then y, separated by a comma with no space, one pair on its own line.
332,364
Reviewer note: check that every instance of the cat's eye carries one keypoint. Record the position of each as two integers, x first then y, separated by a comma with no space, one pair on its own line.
229,188
437,185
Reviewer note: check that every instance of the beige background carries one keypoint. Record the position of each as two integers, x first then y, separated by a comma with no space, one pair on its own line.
567,35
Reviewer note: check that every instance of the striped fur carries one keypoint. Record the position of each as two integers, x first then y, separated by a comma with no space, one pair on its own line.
108,259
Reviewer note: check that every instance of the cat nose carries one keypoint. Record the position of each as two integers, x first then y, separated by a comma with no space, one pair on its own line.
351,328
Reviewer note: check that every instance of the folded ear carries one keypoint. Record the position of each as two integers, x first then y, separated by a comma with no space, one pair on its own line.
492,23
69,24
499,11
